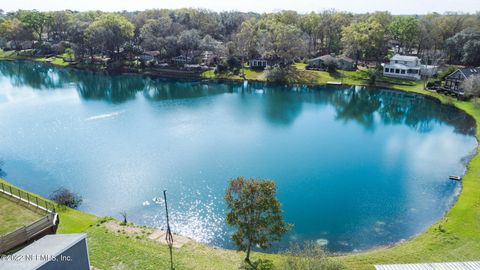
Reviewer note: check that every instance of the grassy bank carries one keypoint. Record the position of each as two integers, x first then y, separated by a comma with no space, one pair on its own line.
23,55
22,216
455,237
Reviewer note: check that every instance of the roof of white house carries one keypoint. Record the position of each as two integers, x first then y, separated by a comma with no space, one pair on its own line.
399,57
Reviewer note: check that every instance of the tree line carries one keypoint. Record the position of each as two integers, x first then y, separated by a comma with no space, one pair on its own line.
234,37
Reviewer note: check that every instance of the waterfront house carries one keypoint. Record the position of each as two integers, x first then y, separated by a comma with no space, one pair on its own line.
453,82
208,58
322,62
182,60
259,63
149,56
345,63
404,67
408,67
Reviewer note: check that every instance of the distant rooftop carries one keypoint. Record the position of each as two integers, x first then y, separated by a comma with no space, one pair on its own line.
399,57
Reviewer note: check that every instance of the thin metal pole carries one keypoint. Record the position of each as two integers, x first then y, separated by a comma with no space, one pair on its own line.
168,235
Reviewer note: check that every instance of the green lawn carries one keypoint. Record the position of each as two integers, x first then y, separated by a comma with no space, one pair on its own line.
456,237
14,215
13,55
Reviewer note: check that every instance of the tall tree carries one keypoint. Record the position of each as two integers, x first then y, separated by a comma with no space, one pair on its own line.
404,29
246,40
275,41
189,40
255,212
362,39
111,31
465,47
34,20
14,30
154,32
59,23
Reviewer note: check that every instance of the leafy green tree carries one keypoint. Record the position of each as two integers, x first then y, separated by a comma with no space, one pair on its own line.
404,29
246,40
189,40
154,32
255,212
275,41
59,23
34,20
309,25
363,38
111,32
15,31
277,74
465,46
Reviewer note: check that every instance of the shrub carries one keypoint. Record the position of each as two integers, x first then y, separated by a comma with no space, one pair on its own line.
331,65
276,74
310,257
373,74
446,71
65,197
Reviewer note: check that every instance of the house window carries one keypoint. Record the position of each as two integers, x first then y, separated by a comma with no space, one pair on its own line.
387,70
397,71
403,71
396,61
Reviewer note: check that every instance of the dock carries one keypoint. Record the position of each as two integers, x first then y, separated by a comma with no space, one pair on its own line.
455,177
334,83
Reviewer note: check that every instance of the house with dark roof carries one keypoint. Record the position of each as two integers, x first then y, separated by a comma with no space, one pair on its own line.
453,82
259,63
322,62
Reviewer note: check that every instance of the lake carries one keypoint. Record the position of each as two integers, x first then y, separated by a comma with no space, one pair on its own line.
356,168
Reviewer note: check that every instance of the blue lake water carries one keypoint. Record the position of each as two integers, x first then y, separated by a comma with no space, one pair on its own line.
354,166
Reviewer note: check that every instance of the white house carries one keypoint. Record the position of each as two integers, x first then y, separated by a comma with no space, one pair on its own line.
407,67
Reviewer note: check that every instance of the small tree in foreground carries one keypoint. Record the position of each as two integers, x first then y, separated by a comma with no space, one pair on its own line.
255,212
65,197
310,257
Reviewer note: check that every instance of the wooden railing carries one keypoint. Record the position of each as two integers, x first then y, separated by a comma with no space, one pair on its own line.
27,198
46,225
43,226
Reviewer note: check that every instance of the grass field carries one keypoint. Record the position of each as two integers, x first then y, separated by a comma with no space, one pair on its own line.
456,237
14,216
13,55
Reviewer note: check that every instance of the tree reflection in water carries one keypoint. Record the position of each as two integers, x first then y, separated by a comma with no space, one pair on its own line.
282,104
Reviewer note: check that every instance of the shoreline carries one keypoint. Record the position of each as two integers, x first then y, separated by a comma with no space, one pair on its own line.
470,167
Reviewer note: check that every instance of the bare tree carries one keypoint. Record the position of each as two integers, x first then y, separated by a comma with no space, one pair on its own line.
124,217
